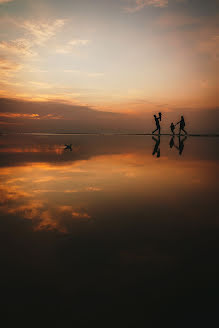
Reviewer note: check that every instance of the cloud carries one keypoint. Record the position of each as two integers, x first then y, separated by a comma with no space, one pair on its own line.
210,44
4,1
169,20
43,216
8,66
71,44
140,4
42,85
16,115
8,69
77,42
95,74
20,47
41,32
30,116
90,74
37,34
72,71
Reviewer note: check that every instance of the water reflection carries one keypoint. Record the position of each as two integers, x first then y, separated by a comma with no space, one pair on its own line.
180,146
156,146
54,193
81,226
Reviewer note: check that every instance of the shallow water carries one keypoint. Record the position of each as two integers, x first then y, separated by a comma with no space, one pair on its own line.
117,228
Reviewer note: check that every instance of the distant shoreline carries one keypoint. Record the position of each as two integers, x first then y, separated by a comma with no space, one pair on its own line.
106,134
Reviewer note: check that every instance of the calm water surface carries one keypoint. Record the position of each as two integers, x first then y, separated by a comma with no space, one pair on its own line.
117,229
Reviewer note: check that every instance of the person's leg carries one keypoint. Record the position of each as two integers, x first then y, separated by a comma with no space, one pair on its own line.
155,130
184,131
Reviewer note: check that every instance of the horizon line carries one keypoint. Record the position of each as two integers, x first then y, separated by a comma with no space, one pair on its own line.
113,133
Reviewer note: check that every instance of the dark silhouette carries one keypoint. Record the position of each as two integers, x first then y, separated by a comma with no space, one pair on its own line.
172,142
160,116
181,144
68,147
172,128
157,123
182,125
156,147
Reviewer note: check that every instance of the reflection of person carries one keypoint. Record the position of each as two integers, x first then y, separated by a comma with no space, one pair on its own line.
172,128
156,147
181,144
157,123
172,142
182,125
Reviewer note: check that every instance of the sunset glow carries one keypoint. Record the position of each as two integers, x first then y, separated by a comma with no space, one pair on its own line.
53,196
125,56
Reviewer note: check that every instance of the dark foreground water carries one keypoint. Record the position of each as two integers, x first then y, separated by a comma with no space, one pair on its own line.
117,230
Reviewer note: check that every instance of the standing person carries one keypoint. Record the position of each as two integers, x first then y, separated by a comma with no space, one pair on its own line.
182,125
172,128
157,124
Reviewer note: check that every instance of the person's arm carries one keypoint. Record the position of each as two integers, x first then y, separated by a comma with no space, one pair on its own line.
177,123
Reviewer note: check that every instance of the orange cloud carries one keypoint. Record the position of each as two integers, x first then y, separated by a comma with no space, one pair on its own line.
21,47
4,1
43,215
7,65
31,116
16,115
36,149
35,191
8,69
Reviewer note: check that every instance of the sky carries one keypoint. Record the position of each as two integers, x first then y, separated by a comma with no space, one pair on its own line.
126,57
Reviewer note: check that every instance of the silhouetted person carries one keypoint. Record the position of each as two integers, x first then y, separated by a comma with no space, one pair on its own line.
157,123
156,147
182,125
172,128
68,147
160,116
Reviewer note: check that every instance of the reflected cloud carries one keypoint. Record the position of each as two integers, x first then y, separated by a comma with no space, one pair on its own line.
43,214
34,149
57,194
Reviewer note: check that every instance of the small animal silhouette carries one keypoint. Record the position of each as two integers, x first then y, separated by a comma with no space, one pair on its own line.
68,147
